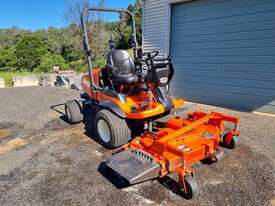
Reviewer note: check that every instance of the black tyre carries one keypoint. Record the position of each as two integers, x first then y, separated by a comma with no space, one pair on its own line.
192,188
112,131
73,110
233,143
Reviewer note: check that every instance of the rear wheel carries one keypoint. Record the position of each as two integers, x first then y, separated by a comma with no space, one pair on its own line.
73,110
112,131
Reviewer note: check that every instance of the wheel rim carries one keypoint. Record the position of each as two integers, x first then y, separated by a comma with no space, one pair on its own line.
104,130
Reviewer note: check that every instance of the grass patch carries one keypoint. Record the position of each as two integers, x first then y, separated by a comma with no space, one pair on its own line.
7,76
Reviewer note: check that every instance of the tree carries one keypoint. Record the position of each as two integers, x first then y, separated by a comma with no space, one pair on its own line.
49,60
9,37
22,49
98,35
74,9
136,8
124,25
29,51
7,59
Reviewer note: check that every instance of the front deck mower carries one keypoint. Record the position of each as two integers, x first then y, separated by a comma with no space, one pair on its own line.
129,95
173,147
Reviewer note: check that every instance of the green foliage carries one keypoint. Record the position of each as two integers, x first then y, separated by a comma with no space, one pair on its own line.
29,52
7,76
125,28
78,66
49,60
136,8
99,63
9,37
7,59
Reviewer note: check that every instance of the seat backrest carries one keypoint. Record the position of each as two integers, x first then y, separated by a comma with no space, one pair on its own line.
122,61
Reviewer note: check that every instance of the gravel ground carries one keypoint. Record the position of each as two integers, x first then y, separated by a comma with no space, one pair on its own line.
45,161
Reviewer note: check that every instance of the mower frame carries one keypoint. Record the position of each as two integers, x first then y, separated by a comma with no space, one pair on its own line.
86,44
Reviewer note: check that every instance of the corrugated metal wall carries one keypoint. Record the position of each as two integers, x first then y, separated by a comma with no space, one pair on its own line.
224,52
155,25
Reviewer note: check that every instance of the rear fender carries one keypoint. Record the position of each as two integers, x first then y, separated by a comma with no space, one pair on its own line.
111,106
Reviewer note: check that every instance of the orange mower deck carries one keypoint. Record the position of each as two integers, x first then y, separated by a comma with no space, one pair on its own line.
174,147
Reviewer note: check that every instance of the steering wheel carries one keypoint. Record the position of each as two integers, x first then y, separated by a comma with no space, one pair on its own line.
151,55
148,57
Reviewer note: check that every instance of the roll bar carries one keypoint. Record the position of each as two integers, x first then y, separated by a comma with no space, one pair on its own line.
86,44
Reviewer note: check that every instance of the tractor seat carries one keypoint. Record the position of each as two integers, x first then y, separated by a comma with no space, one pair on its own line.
125,79
122,68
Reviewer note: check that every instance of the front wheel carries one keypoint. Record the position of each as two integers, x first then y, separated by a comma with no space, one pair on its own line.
73,110
112,131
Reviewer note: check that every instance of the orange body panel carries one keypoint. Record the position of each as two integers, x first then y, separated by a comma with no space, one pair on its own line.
136,101
182,142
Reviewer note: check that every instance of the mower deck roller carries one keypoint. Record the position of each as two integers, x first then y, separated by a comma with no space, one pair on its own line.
174,147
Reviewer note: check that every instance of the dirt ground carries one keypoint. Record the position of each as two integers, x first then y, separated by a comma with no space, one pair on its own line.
45,161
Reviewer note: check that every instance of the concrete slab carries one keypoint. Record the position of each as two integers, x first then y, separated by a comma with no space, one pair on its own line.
72,81
48,80
63,81
24,81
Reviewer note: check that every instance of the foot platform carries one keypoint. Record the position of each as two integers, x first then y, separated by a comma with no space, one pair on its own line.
134,166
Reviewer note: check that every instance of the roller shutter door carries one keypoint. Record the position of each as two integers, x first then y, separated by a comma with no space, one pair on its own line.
224,53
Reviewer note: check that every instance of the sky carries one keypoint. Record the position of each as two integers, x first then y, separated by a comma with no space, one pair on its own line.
41,14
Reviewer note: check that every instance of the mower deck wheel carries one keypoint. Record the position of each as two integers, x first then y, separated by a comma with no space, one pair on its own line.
233,143
73,110
112,131
192,187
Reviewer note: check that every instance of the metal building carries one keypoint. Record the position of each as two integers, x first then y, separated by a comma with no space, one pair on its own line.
223,51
